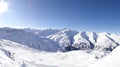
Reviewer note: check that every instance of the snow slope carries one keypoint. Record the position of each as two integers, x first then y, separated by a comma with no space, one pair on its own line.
112,60
16,55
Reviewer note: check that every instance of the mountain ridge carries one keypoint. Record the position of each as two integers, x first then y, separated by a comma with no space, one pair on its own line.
61,40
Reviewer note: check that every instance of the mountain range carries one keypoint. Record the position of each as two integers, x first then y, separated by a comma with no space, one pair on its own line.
53,40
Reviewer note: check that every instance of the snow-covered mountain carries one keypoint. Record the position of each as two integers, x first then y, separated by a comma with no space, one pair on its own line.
45,48
42,33
29,39
61,40
64,37
85,40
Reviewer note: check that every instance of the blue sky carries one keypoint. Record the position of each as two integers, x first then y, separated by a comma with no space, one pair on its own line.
82,15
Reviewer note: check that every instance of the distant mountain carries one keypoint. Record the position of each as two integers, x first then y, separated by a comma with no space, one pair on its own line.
61,40
42,33
29,39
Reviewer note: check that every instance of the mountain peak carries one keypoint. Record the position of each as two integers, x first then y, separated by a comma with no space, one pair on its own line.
65,30
105,33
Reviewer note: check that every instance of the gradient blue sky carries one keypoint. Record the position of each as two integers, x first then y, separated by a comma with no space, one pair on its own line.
82,15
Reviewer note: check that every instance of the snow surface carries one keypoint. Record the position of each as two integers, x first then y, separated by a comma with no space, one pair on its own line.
111,60
16,55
